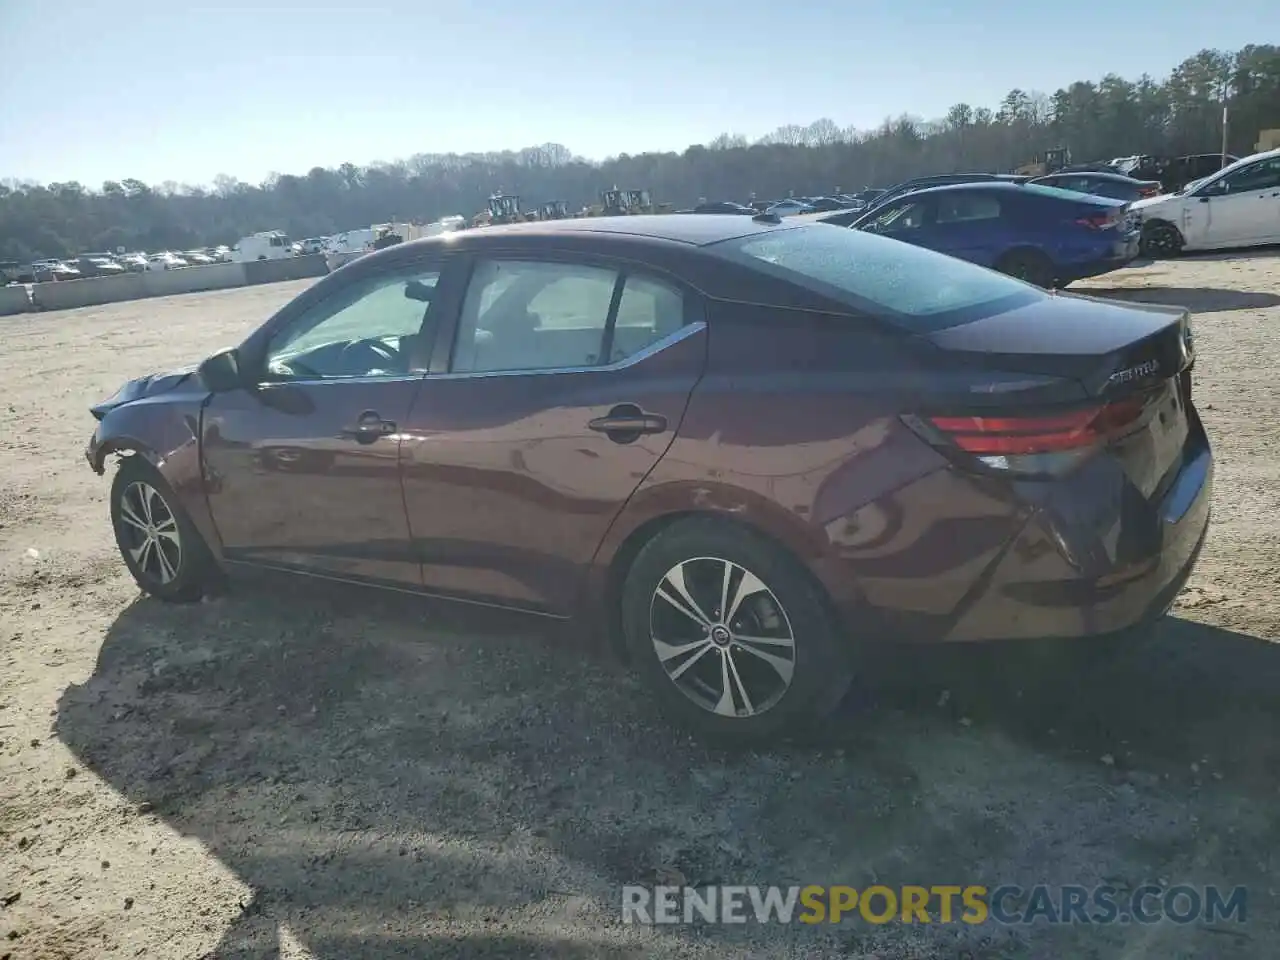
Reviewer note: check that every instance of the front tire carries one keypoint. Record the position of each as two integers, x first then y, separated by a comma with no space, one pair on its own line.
1161,240
158,543
730,633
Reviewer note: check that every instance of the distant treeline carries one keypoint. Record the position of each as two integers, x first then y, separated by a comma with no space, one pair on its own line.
1112,117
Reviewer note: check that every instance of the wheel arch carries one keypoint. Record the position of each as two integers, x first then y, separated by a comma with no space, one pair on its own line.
166,436
122,445
1148,228
1148,224
639,525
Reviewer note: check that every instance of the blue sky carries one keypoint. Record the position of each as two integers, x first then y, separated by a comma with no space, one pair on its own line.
184,90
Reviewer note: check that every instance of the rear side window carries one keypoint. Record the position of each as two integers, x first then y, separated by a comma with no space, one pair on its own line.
534,315
912,287
966,207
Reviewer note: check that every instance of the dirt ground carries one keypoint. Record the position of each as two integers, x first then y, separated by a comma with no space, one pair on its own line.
337,774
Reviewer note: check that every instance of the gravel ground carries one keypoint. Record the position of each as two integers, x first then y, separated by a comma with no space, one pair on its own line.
285,772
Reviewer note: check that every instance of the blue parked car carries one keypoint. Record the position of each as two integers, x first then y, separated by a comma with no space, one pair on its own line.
1043,235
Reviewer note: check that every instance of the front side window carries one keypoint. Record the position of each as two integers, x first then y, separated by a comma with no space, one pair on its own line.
376,327
908,215
529,315
1263,175
912,287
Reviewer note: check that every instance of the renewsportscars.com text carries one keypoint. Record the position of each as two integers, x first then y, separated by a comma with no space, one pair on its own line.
973,904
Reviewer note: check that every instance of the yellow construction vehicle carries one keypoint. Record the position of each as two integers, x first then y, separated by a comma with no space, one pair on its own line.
1051,161
553,210
639,201
624,203
613,203
503,208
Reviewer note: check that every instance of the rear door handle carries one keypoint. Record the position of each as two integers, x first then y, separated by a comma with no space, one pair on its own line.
369,426
627,422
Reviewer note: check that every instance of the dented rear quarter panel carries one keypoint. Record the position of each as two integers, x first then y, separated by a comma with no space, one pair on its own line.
794,432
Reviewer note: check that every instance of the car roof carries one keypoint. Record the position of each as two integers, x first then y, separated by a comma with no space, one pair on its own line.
1245,161
697,229
1004,186
1104,174
974,177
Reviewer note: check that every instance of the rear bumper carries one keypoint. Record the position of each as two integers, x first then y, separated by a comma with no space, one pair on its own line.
957,559
1033,599
1120,255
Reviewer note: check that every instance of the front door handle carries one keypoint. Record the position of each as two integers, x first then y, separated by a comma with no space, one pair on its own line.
626,423
369,426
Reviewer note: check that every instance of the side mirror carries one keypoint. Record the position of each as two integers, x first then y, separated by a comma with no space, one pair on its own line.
220,373
417,290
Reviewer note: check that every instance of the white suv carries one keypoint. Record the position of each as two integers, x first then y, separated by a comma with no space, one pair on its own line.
1239,206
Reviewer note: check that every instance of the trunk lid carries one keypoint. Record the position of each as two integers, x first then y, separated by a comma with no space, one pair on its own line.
1110,347
1116,351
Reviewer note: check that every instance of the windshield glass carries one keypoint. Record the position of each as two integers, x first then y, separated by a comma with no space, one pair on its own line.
910,286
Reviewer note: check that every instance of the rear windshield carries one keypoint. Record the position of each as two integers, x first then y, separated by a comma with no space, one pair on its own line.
1057,193
910,286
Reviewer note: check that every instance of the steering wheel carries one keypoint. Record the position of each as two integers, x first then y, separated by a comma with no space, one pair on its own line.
293,368
387,356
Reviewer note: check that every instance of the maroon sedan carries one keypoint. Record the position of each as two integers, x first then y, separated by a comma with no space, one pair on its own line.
743,446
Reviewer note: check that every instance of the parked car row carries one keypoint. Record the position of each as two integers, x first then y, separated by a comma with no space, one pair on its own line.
791,206
1173,173
102,264
1042,234
1053,230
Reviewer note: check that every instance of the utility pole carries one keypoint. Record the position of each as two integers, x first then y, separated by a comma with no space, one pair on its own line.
1225,120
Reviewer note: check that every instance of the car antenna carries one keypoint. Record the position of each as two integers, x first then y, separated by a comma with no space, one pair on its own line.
767,217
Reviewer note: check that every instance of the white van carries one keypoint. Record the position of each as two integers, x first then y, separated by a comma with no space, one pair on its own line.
268,245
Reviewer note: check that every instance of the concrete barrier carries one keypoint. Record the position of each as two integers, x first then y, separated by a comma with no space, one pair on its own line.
14,300
290,268
68,294
216,276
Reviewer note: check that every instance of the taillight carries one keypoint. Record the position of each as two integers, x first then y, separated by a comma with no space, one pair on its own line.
1100,221
1035,444
1148,192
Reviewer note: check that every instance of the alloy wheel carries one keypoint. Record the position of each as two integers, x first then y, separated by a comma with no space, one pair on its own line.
722,637
1163,240
149,532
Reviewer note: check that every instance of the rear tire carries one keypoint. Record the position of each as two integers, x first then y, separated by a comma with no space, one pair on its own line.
777,660
1161,240
161,547
1029,265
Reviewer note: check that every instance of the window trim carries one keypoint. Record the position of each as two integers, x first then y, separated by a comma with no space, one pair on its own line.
688,330
694,319
255,348
929,218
